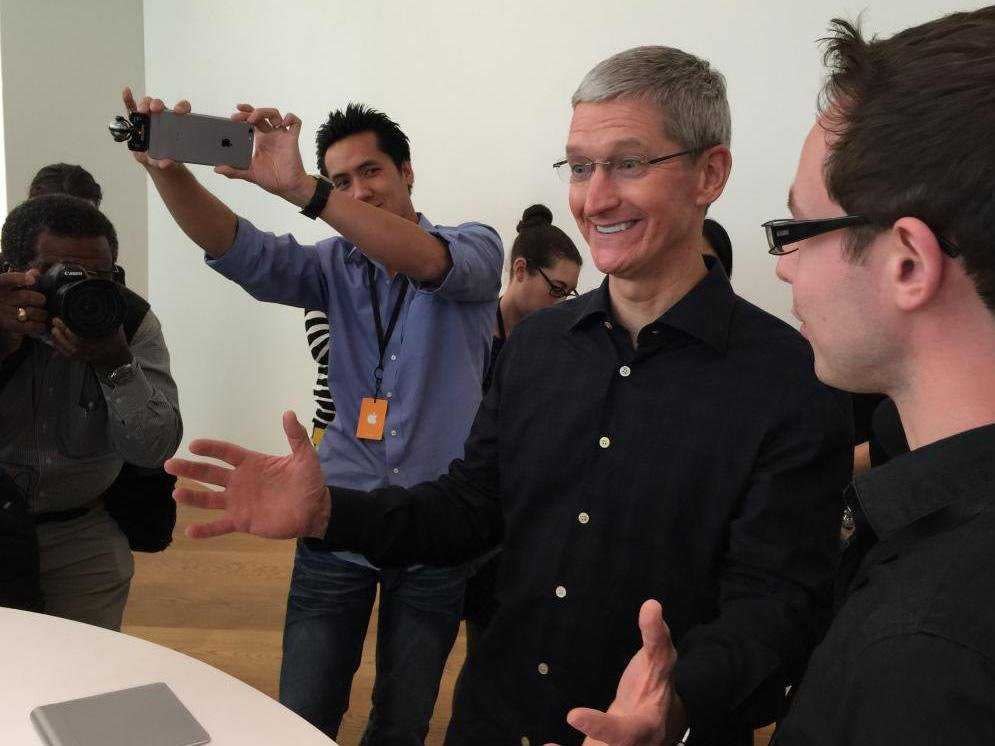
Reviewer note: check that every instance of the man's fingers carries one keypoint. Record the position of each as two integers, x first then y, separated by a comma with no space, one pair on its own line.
240,116
247,108
26,298
656,634
291,121
199,471
207,499
17,279
209,530
182,107
129,99
62,343
297,436
233,173
597,725
156,106
221,450
143,104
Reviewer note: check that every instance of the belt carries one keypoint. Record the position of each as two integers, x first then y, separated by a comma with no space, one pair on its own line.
61,516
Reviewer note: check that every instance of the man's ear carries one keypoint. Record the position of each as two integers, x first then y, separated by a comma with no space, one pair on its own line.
916,265
715,165
408,174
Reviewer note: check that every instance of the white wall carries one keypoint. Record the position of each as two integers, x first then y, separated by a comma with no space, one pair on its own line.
483,92
62,65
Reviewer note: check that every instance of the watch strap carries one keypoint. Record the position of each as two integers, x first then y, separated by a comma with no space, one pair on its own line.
322,190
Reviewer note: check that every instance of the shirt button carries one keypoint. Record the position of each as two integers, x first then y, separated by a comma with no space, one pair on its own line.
605,441
543,669
393,357
608,325
525,741
561,592
394,433
390,394
584,518
625,371
396,470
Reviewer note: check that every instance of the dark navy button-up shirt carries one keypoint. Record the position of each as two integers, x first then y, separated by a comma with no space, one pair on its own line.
703,468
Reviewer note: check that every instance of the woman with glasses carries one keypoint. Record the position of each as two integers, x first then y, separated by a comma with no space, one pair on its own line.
544,269
545,266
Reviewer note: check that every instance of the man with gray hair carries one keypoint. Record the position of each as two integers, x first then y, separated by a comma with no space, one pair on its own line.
657,438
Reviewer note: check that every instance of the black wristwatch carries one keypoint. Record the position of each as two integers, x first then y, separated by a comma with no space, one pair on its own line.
322,188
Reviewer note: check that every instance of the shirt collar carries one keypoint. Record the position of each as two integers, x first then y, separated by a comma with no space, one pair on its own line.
355,254
705,312
953,470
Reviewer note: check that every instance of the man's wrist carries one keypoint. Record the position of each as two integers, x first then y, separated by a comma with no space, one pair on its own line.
318,525
301,191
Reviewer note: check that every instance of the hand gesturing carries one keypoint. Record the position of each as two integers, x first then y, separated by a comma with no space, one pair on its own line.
276,497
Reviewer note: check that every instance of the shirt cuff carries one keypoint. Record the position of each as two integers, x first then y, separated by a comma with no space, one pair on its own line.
346,521
231,261
447,281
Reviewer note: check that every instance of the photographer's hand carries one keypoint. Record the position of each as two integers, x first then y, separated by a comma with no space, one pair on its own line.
104,354
277,497
22,310
276,160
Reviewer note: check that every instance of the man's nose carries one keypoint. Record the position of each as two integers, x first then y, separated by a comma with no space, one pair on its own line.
785,267
602,191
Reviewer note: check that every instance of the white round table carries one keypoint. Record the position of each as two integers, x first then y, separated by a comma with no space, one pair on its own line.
45,659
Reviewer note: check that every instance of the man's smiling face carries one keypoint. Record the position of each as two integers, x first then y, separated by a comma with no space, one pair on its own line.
630,224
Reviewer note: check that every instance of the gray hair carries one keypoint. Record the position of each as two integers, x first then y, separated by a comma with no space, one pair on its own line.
691,95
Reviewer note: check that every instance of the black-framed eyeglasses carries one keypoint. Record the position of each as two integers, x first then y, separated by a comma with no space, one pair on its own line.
578,170
556,290
782,233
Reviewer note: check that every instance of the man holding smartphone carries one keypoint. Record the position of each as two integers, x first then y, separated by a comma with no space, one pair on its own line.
414,308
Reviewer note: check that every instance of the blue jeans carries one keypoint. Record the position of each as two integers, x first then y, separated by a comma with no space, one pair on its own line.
328,611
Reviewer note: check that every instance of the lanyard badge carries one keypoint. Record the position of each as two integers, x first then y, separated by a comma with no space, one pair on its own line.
373,410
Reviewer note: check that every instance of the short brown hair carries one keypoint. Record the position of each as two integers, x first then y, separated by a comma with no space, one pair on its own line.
914,117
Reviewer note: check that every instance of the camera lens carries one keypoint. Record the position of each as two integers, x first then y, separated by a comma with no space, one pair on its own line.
91,308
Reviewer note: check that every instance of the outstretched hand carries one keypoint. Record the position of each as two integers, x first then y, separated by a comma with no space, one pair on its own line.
646,711
276,497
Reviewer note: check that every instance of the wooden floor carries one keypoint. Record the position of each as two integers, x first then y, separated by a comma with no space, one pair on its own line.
223,601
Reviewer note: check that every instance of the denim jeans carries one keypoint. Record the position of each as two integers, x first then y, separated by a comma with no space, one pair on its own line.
328,612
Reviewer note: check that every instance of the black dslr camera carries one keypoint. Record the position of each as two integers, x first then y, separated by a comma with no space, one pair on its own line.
90,305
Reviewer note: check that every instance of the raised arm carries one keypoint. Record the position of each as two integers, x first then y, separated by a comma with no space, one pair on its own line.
206,220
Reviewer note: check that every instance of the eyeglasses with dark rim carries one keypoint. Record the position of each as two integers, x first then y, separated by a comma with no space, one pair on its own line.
555,290
579,170
782,233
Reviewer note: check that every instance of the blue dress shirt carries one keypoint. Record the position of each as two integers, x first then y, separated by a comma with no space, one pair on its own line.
435,359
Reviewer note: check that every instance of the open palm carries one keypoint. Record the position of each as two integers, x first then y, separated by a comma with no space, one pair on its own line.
643,712
276,497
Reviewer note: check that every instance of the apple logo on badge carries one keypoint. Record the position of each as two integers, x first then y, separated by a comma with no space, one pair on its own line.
225,142
371,419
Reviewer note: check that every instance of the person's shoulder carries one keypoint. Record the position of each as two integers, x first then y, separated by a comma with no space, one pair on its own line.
960,604
760,335
554,319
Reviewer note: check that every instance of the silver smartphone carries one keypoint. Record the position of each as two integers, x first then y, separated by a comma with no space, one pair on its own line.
199,138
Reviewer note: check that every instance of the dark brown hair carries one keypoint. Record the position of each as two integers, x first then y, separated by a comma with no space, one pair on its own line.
66,178
540,243
914,117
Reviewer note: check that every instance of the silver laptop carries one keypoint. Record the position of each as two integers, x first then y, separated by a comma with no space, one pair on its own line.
149,715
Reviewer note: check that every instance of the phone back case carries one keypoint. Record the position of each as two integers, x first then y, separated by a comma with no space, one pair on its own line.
198,138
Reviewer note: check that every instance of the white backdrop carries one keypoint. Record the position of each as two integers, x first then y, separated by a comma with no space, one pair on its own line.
483,92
